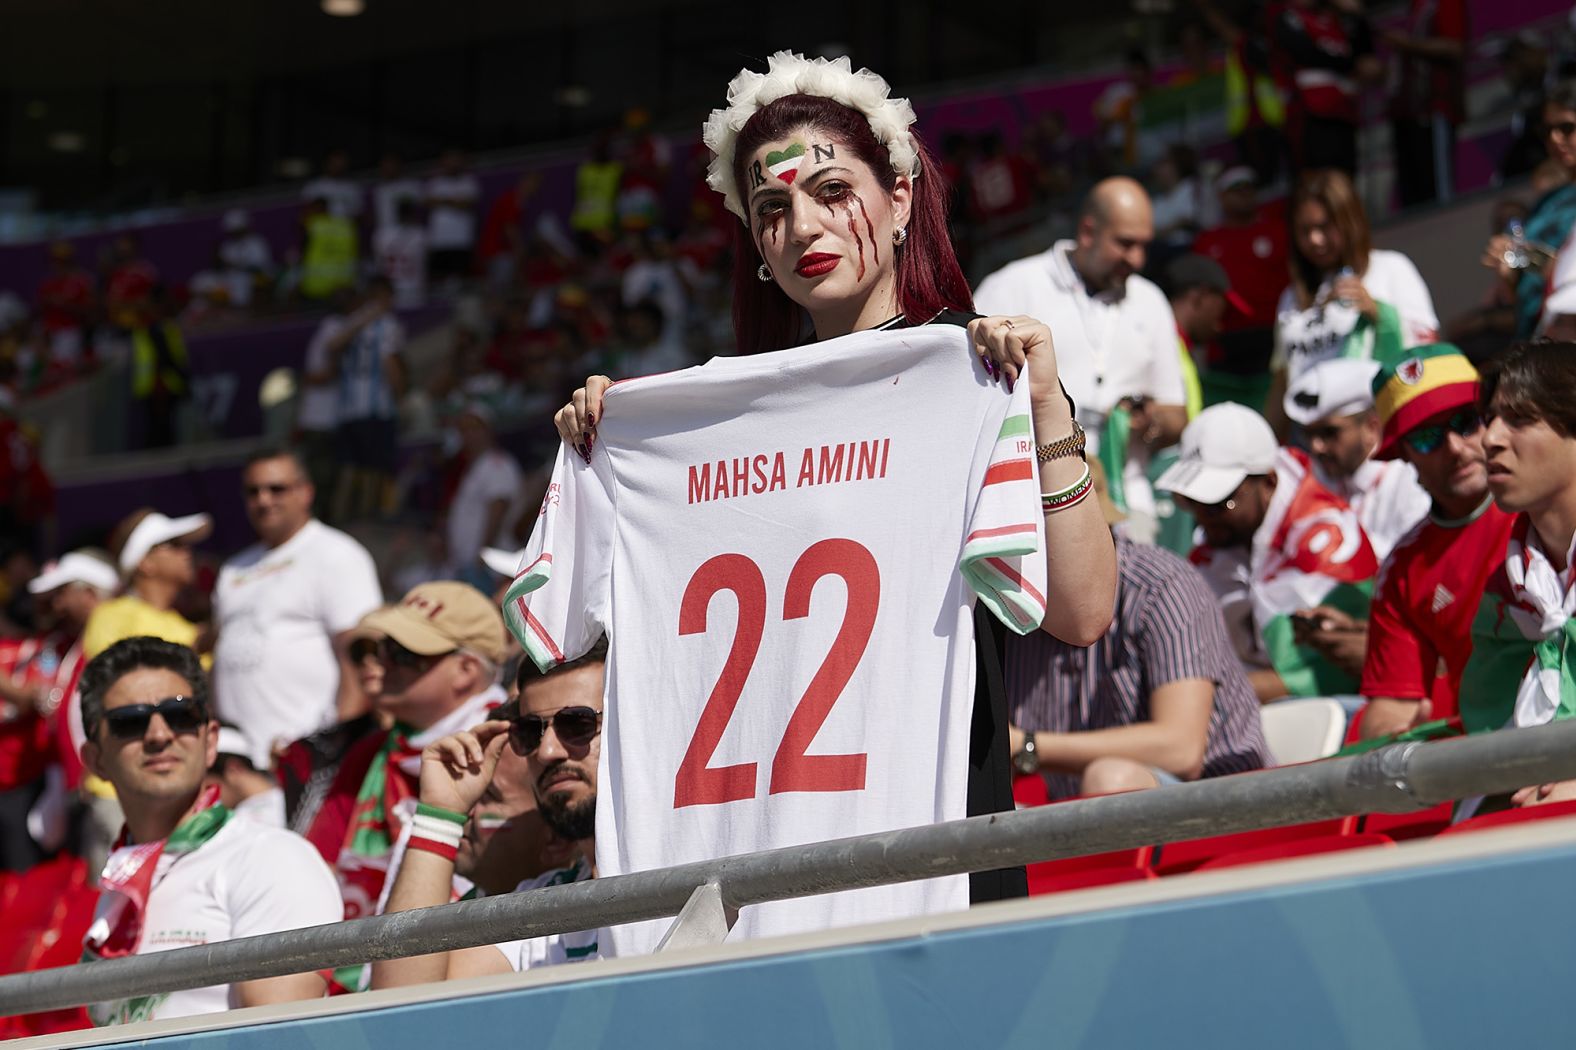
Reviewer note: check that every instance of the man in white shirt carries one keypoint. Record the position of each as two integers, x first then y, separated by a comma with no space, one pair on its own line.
488,501
284,609
343,194
452,196
1116,341
558,732
1333,402
393,188
188,872
245,257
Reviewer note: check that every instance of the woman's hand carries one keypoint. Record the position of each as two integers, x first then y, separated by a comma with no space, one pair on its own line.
1350,290
1005,344
1494,256
576,421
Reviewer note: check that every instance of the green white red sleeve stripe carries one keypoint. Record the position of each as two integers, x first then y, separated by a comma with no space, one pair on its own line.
1002,558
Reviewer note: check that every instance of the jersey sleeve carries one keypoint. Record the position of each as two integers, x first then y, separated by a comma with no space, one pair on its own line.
557,606
1003,550
1399,663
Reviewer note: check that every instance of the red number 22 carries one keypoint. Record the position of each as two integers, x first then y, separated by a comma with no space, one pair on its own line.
793,769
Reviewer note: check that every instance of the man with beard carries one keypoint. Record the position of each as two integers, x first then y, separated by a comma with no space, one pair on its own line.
558,732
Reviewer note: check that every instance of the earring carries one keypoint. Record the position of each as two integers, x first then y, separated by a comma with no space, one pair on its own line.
763,273
900,235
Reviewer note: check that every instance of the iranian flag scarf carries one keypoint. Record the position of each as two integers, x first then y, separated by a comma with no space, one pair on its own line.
131,873
1520,671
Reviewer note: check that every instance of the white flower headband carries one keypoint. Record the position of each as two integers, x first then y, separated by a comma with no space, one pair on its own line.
788,73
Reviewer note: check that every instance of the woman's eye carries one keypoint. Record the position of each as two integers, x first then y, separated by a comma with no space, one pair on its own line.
766,209
832,191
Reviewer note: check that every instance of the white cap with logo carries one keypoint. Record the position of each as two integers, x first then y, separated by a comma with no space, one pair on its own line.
1224,445
1340,386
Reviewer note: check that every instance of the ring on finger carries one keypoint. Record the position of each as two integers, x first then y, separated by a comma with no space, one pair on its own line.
1007,323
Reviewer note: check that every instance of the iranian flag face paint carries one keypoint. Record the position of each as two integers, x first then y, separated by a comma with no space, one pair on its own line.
785,163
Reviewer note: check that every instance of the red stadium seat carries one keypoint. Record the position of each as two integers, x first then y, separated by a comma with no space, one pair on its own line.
1514,816
1354,726
1029,791
1299,848
1053,875
1178,857
1403,826
1082,880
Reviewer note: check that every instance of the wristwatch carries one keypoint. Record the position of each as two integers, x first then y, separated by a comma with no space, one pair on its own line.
1027,760
1072,445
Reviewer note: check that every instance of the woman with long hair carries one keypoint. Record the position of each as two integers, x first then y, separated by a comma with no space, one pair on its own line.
1346,297
843,221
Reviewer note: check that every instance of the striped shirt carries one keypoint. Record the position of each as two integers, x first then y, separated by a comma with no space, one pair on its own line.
1167,628
364,390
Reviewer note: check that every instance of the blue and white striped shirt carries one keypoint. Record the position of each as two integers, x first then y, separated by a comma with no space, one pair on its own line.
364,391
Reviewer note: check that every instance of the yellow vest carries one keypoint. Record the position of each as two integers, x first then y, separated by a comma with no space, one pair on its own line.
329,262
1244,90
145,361
596,196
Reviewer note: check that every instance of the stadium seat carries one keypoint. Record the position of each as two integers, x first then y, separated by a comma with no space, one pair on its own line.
1082,880
1290,850
1518,815
1403,826
1303,730
1028,791
1075,872
1189,854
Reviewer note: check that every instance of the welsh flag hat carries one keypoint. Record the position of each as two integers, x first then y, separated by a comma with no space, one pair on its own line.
1421,383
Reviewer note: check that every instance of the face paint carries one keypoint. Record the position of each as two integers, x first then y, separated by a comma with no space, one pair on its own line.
820,153
757,180
785,164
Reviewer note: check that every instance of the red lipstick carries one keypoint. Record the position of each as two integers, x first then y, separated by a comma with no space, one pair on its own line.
816,263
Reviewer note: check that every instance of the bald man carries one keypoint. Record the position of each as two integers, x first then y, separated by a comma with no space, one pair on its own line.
1115,335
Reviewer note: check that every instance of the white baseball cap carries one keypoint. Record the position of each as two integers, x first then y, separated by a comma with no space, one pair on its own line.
76,567
1224,444
157,528
234,742
1339,386
504,563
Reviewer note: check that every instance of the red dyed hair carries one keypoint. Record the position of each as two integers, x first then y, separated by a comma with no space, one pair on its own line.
929,278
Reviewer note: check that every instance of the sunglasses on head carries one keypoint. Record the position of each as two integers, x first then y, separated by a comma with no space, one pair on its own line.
183,714
396,655
1424,440
575,727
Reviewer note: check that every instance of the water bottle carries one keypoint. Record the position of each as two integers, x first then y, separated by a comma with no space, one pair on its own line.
1346,271
1516,256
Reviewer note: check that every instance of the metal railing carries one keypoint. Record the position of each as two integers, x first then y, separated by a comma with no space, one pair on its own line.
1395,779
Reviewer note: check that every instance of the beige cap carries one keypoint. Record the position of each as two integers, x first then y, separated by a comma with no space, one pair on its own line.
442,616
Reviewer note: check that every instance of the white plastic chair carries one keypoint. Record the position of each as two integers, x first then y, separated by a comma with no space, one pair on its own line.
1303,730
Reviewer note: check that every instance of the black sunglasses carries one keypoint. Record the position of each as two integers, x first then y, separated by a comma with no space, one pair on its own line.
253,491
394,654
183,714
1425,439
575,727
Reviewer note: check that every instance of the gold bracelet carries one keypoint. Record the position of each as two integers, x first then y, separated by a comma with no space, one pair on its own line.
1072,445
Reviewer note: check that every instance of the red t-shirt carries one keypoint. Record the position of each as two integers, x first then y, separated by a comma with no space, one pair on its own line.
1254,257
1420,623
505,213
24,739
1425,88
64,300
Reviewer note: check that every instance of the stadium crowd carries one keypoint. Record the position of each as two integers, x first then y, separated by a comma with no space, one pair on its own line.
311,735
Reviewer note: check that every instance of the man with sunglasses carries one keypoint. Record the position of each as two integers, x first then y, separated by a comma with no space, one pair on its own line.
300,589
1420,623
187,870
557,729
441,649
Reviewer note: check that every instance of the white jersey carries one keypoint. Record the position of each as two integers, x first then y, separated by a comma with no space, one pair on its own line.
1387,497
784,551
555,948
277,610
400,253
248,880
1303,338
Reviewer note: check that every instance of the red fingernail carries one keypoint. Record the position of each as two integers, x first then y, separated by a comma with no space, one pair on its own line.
1009,384
591,419
590,445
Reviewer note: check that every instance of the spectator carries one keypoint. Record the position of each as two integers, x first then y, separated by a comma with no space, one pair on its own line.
486,504
1519,671
442,646
501,248
400,254
1118,112
558,732
1058,160
1524,64
150,733
160,374
66,302
1420,623
646,346
647,161
1429,100
243,788
1252,501
1115,336
336,188
1178,204
317,408
1000,186
653,275
1333,403
1250,244
329,251
366,353
1347,298
596,197
154,554
27,493
1551,221
393,188
1160,699
1200,294
300,590
244,255
39,672
451,195
1255,108
130,288
1325,50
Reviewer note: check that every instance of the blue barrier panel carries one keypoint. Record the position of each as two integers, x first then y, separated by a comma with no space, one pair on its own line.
1470,954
